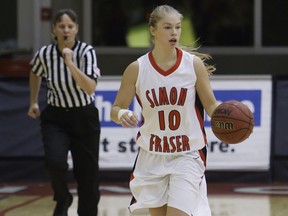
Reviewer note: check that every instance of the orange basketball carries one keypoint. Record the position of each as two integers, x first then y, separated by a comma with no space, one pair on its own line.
232,122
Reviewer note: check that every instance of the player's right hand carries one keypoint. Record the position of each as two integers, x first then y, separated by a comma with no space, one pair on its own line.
129,119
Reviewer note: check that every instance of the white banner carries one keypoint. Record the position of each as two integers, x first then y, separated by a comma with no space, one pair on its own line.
118,147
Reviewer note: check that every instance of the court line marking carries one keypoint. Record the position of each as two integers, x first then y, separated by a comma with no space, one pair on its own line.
280,190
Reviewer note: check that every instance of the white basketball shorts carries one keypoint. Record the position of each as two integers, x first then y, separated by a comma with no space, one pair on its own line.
177,181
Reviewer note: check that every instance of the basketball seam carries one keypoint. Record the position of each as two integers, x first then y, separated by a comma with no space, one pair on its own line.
240,109
223,117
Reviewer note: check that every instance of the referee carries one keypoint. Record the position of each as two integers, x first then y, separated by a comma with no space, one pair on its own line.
70,120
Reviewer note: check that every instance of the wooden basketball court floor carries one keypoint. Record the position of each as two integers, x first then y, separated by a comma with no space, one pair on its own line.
226,199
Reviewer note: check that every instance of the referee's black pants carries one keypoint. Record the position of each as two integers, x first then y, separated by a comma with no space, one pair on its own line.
77,130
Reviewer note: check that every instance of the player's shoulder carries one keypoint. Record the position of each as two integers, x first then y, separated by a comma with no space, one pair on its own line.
133,66
187,54
143,57
131,72
197,60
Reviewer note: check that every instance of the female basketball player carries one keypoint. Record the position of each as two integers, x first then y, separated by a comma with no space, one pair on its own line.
171,86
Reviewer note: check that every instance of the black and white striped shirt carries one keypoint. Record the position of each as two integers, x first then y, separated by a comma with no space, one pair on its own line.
62,89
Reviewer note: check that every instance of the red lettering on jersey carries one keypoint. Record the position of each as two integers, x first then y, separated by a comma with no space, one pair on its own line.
155,143
171,140
165,145
154,97
149,99
163,98
185,143
173,96
182,97
172,144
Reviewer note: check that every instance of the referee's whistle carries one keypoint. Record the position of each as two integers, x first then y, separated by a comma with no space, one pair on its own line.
65,39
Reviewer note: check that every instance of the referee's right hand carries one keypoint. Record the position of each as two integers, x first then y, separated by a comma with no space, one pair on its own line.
34,111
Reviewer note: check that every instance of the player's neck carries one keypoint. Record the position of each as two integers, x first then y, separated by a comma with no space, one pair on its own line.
162,56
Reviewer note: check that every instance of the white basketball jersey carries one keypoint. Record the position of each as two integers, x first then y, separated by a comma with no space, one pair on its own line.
172,113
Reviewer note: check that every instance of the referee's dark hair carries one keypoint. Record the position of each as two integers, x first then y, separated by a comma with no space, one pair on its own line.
69,12
58,17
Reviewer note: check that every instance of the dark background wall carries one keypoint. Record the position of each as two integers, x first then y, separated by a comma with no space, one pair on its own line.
113,61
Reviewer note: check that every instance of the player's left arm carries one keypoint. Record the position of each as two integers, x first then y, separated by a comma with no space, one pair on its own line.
203,87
